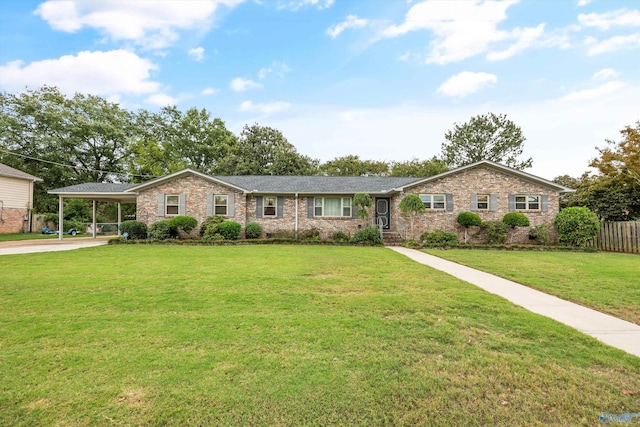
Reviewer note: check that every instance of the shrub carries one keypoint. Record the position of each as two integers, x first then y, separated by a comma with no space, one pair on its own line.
516,219
252,230
495,232
210,221
229,230
310,234
370,235
341,236
576,226
184,223
135,229
541,234
469,219
440,238
162,230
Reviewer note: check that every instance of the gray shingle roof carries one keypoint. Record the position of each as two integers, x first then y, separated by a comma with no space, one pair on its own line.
15,173
316,184
94,187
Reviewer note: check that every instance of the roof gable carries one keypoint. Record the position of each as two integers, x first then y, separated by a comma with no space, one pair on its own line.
495,166
181,174
15,173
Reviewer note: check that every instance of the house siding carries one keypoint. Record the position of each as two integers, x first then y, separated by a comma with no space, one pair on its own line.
16,197
462,186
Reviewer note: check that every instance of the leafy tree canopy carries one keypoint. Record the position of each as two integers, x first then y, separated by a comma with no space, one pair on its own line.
419,168
353,166
485,137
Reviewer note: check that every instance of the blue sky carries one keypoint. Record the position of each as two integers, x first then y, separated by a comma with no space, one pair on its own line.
382,79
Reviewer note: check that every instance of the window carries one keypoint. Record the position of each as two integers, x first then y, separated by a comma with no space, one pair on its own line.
172,205
527,203
482,202
332,206
220,204
269,204
433,201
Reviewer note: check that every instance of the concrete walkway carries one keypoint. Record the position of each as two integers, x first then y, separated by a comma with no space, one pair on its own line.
50,245
608,329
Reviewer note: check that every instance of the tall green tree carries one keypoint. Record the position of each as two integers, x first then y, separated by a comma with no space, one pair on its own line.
351,165
262,150
485,137
64,140
419,168
412,205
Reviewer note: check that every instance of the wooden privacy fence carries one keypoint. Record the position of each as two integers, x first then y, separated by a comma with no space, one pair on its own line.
618,237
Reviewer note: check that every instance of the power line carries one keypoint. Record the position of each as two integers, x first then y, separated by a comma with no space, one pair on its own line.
123,174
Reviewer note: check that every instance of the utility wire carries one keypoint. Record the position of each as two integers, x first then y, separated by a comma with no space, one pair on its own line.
126,175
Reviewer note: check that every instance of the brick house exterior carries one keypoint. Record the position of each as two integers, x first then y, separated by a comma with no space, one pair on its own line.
16,199
295,205
286,205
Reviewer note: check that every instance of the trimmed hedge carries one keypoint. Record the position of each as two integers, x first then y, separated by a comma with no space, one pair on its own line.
184,223
252,230
440,238
163,230
369,235
576,225
135,229
229,230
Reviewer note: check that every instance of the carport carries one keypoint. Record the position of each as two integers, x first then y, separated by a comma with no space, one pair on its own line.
96,192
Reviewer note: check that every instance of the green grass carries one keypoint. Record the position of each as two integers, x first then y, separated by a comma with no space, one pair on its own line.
35,236
285,335
608,282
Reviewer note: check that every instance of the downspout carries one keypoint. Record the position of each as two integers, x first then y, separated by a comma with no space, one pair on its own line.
296,216
94,225
60,216
119,217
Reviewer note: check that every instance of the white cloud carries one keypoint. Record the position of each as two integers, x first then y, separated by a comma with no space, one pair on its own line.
241,85
151,24
99,73
161,100
350,22
614,18
525,38
462,28
466,83
594,93
277,68
296,5
605,74
583,2
615,43
197,53
264,108
209,91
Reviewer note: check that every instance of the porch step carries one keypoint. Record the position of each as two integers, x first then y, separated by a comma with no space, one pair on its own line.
391,239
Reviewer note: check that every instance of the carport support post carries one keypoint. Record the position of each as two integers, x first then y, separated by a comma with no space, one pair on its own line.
119,216
60,216
94,219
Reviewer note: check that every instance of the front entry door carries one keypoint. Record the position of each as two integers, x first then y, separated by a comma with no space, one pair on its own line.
383,213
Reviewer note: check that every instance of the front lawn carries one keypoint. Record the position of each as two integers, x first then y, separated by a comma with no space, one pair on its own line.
285,335
608,282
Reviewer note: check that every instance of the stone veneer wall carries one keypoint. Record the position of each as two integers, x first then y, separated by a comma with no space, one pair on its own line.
462,185
12,220
195,190
287,224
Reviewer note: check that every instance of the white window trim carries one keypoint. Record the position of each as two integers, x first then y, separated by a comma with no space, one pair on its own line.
527,202
167,204
226,205
432,202
342,207
478,202
265,206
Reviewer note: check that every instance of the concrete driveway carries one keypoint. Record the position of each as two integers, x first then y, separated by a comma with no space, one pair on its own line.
50,245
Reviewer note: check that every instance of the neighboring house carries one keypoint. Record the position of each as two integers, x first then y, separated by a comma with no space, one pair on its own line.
16,199
294,204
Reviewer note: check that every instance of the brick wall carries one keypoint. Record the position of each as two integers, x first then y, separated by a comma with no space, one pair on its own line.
12,220
195,190
462,185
